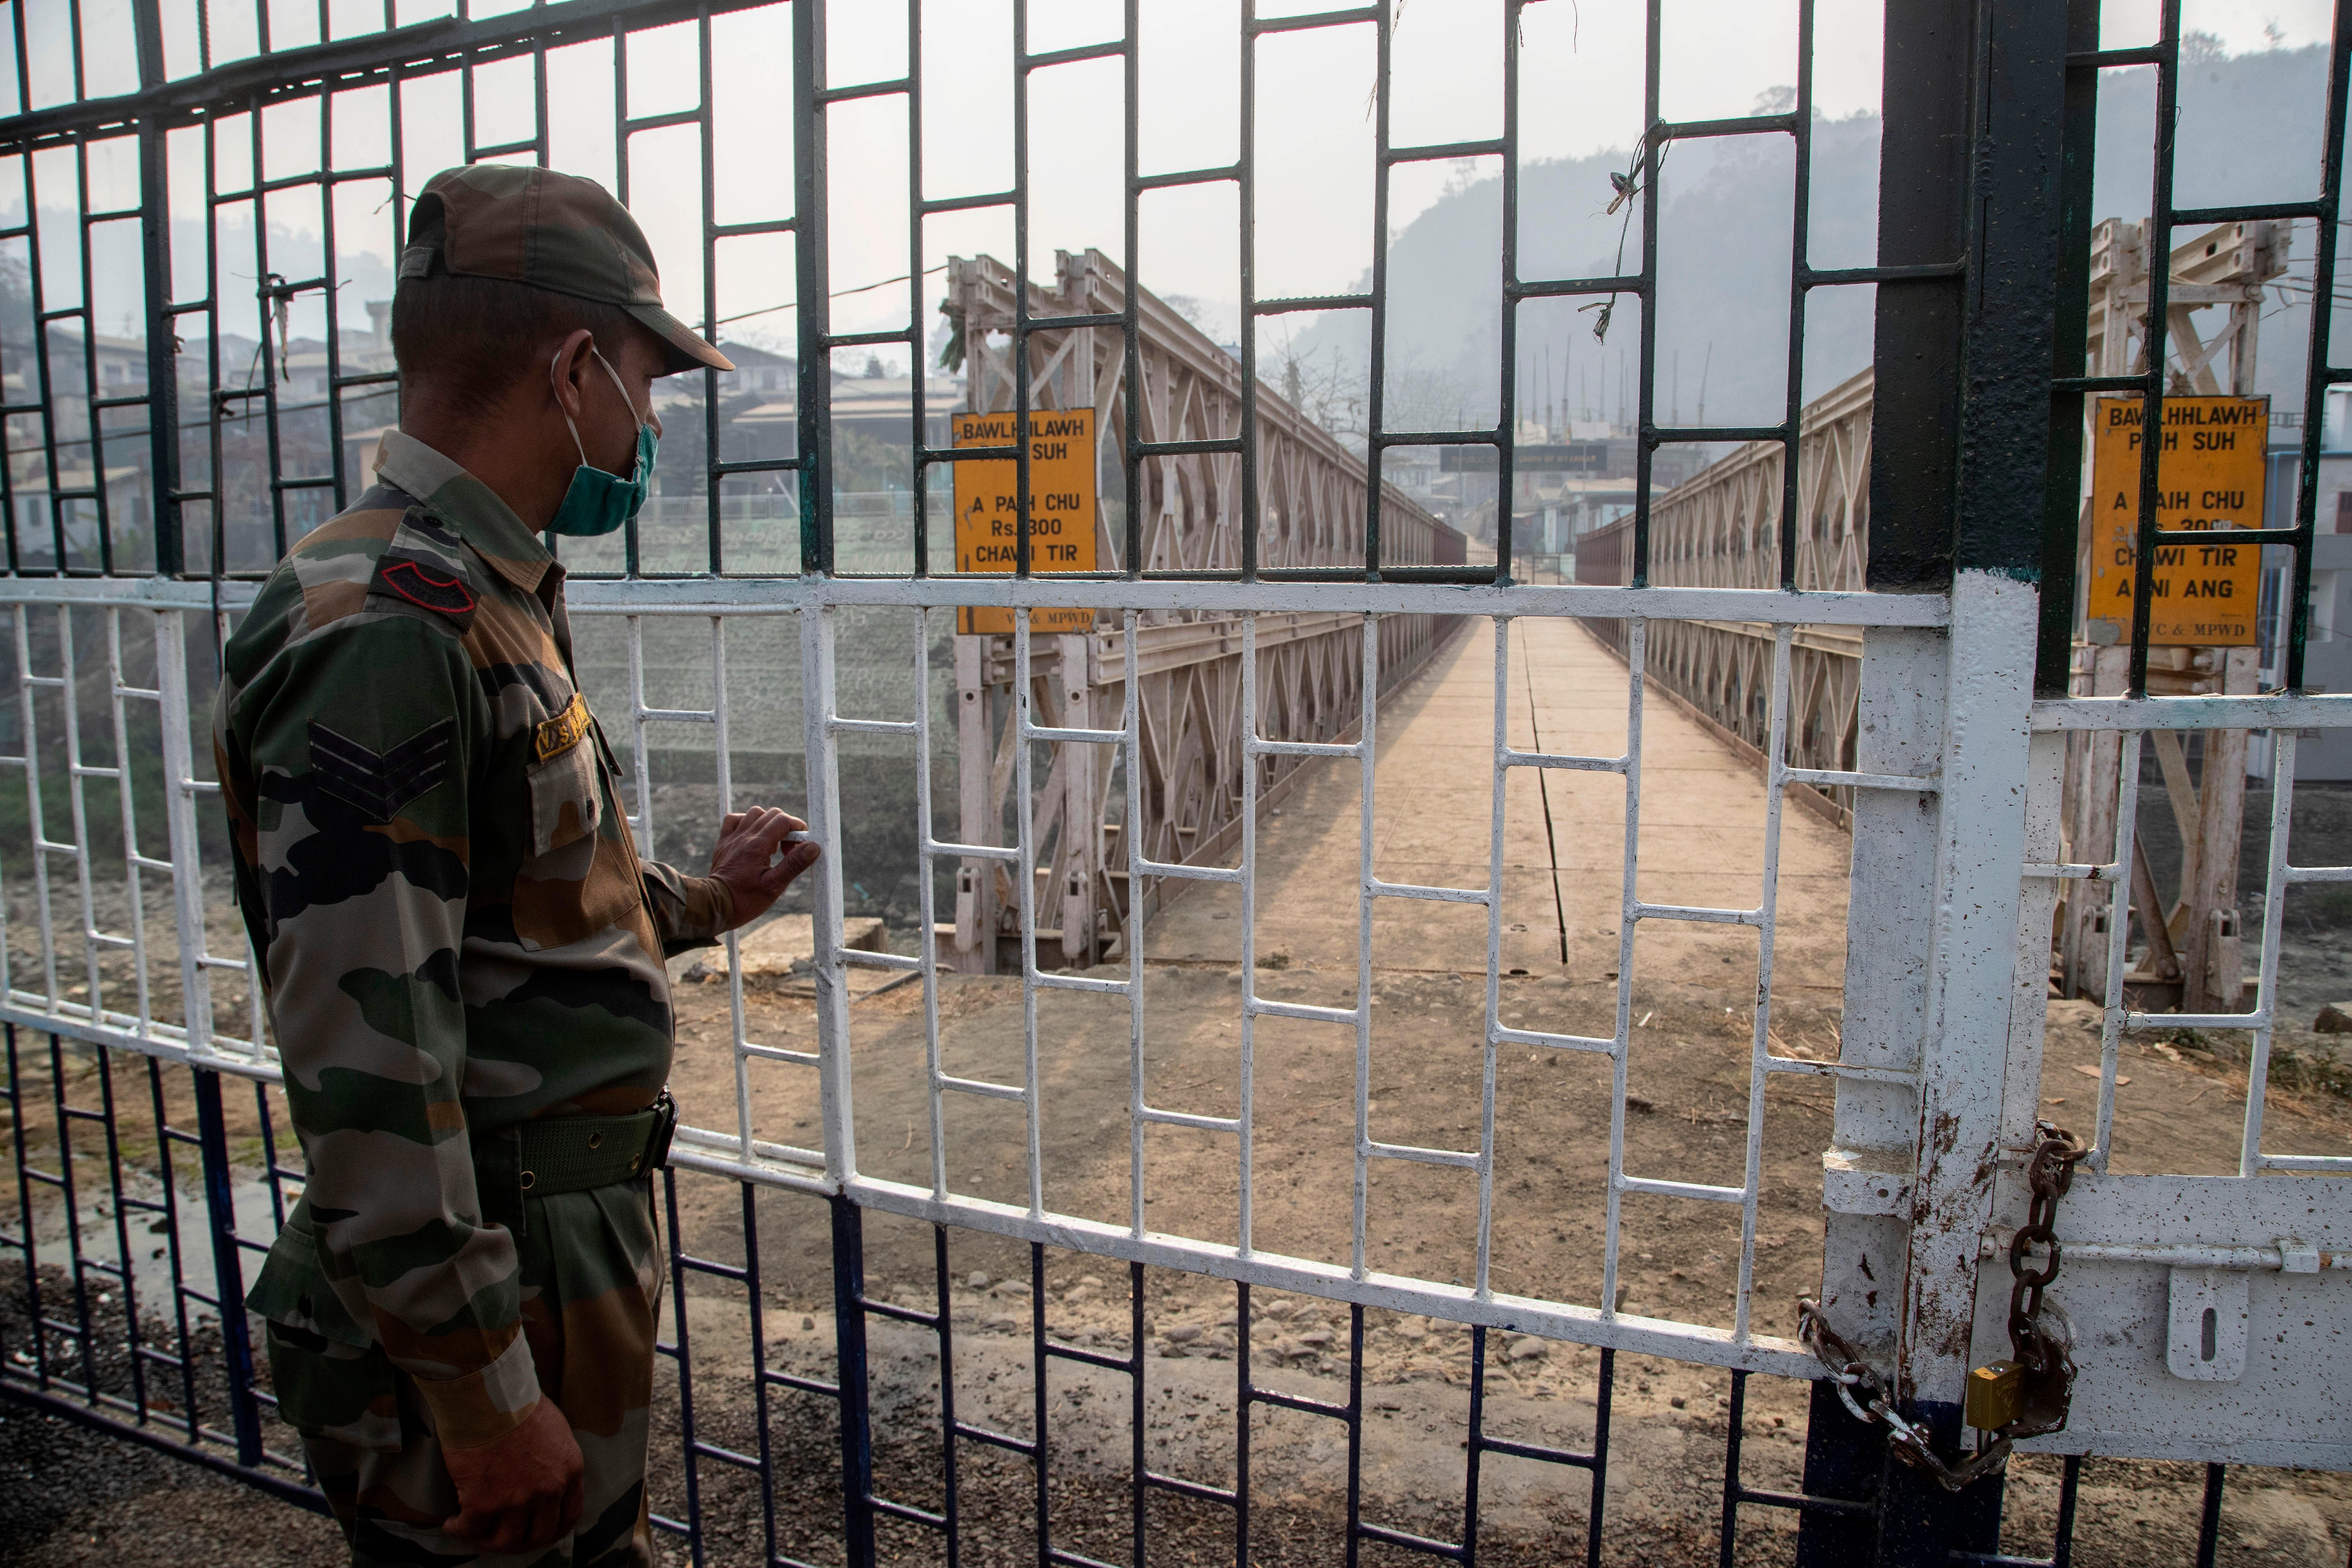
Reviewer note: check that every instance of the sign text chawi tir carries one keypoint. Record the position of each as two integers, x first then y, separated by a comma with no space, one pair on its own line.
2210,474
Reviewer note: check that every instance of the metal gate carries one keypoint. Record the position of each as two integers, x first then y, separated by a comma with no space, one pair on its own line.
145,495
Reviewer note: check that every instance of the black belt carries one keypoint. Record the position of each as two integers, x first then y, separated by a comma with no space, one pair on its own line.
568,1154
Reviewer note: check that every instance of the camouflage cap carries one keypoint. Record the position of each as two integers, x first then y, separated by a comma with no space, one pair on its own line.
547,231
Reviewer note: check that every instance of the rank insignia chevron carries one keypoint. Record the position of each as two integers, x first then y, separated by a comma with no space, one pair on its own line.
380,784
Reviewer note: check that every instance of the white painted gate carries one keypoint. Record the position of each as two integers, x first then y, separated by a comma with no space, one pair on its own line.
1954,873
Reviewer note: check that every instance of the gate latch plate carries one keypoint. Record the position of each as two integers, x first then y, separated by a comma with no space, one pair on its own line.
2206,1337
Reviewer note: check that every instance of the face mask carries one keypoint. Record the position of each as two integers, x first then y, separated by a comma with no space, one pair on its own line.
599,502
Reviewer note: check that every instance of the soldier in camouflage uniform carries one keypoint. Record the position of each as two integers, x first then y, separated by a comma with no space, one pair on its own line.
463,950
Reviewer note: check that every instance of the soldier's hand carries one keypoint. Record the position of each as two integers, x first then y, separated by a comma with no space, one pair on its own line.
521,1492
748,841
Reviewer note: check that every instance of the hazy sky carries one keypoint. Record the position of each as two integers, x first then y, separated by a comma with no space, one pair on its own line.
1580,92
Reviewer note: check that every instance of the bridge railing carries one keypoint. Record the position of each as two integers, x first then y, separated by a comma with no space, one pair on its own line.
1725,527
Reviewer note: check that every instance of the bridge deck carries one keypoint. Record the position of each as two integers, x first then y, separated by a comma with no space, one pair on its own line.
1702,836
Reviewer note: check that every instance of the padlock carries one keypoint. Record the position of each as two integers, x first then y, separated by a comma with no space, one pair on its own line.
2046,1351
1996,1395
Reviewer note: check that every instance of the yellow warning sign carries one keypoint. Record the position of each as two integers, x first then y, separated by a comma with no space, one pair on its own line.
1061,510
2211,471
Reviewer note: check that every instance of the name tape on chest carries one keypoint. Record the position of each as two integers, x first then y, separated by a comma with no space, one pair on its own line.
561,734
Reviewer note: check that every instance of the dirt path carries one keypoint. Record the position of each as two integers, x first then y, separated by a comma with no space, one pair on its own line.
1701,840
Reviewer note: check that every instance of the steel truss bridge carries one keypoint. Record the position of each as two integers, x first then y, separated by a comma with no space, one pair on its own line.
1192,691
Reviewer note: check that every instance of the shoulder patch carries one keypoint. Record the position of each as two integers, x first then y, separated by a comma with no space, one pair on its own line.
426,585
426,565
381,782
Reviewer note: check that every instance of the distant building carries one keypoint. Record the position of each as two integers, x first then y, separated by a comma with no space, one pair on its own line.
879,407
331,414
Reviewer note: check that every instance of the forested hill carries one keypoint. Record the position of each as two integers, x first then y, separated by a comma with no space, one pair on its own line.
2251,127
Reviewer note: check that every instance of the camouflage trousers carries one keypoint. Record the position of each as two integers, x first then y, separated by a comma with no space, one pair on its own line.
590,1270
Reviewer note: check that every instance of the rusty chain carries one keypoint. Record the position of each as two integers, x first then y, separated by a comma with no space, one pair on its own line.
2040,1339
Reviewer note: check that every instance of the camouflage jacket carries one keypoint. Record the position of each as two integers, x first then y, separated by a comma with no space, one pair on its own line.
456,930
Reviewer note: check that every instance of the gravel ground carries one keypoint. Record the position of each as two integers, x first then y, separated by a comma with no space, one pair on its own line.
74,1497
72,1494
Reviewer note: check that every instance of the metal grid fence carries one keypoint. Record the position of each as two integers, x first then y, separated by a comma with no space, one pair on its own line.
193,146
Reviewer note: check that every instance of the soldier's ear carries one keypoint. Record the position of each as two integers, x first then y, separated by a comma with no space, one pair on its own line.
570,364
